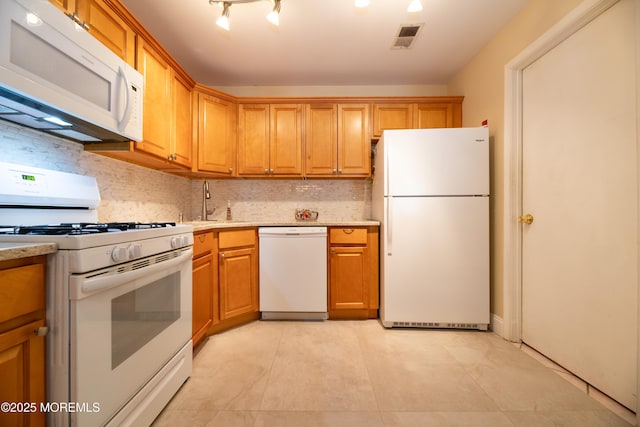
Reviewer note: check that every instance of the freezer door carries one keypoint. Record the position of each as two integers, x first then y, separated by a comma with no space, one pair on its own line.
437,162
435,260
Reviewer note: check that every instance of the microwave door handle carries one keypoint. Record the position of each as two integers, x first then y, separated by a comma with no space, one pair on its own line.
127,108
82,287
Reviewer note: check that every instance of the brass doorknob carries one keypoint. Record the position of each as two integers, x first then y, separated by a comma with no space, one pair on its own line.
525,219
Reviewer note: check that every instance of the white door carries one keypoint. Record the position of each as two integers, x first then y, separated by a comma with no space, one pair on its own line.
580,280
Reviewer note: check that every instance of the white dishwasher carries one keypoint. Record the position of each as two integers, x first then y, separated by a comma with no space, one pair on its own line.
293,272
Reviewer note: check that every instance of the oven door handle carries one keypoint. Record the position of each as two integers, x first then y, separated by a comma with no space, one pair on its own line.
82,286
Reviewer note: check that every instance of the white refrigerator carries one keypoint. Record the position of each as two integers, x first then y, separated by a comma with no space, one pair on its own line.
431,195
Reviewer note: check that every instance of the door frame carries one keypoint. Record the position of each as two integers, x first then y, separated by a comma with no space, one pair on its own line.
584,13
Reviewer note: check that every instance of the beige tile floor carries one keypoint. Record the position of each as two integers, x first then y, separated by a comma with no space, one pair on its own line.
356,373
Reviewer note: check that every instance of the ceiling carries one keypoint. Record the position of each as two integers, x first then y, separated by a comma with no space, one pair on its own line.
323,42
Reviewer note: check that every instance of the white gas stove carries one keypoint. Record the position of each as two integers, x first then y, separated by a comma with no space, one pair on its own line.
118,298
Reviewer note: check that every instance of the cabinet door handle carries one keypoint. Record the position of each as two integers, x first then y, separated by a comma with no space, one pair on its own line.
75,18
230,170
222,255
42,331
333,251
202,237
347,230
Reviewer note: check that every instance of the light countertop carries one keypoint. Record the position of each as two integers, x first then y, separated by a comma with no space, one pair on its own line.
12,250
214,225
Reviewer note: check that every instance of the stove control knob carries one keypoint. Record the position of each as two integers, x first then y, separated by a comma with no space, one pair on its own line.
179,241
119,254
135,251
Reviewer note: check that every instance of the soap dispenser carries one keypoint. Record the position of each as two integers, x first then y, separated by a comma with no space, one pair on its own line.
228,210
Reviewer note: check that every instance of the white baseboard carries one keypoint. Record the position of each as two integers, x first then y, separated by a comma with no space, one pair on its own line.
497,324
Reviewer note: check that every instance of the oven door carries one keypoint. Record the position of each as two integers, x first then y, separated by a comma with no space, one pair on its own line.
127,322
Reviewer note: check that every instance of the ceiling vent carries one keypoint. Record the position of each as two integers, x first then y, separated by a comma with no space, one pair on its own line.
406,36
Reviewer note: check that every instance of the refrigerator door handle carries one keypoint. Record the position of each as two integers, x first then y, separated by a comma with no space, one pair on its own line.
388,224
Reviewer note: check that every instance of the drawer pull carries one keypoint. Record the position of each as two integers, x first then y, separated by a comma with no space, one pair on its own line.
202,237
347,230
42,331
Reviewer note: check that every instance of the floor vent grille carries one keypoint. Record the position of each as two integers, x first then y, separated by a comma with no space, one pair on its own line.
438,325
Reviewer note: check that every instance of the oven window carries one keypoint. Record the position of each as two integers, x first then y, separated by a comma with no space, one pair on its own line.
140,315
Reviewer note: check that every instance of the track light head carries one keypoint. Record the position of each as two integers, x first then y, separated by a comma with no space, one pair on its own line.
223,21
414,6
274,15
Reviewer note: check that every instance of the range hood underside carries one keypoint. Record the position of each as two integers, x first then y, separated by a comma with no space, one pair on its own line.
30,113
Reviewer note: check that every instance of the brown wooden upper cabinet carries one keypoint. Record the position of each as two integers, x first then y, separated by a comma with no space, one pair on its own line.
445,114
391,116
216,141
440,115
64,5
337,142
354,140
104,24
167,109
270,140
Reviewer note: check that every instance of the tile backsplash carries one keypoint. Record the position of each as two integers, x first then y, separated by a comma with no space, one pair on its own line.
128,192
276,200
134,193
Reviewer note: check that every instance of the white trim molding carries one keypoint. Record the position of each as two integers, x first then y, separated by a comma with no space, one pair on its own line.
497,325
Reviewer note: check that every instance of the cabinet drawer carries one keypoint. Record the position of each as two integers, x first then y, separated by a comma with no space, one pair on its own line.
21,291
348,236
236,238
202,243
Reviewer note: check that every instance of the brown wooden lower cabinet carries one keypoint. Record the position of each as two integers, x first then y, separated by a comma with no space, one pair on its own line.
349,278
22,345
204,273
238,284
225,280
353,272
225,277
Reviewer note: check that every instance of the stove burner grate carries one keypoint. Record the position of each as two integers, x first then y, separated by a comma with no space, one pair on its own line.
70,229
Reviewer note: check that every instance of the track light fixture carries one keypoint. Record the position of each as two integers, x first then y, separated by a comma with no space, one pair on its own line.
223,21
415,6
274,15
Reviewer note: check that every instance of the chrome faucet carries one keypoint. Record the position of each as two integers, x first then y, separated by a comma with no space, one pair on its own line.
206,196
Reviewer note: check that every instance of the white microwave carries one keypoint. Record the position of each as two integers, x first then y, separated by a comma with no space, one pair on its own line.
57,78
